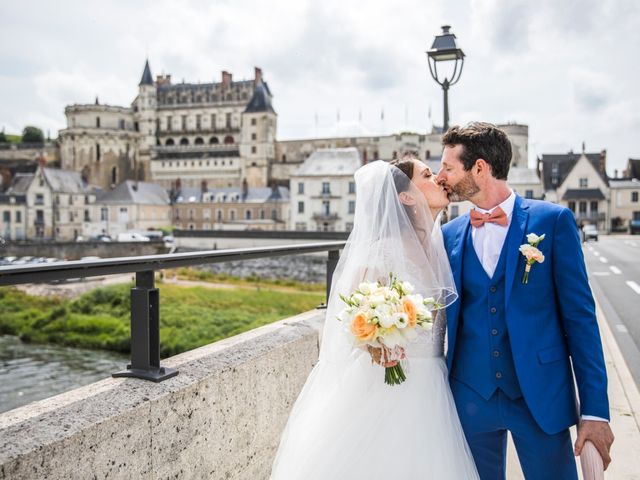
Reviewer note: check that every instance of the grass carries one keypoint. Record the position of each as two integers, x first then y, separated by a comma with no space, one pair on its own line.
189,316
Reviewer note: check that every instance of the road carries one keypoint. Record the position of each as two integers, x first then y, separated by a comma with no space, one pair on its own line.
613,264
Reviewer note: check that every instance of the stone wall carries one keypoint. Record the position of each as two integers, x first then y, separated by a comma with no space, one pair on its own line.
220,418
77,250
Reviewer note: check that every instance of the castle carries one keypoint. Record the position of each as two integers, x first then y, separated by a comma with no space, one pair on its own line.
220,134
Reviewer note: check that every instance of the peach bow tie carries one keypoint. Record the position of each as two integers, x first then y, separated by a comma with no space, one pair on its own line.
478,219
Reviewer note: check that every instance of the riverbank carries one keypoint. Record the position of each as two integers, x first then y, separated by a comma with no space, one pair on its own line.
189,316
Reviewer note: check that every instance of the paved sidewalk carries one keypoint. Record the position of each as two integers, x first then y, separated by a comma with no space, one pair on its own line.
624,400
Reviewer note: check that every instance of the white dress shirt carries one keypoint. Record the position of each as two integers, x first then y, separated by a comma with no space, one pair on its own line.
488,241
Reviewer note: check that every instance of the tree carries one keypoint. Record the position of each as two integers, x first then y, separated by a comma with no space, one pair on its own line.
32,135
3,137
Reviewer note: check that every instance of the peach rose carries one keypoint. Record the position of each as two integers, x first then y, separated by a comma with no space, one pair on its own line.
363,330
410,309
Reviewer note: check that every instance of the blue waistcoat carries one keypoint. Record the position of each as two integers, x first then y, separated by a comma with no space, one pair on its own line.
483,358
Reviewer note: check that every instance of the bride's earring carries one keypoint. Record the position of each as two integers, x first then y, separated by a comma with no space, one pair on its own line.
415,211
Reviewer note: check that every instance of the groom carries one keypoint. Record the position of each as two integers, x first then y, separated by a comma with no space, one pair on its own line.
514,347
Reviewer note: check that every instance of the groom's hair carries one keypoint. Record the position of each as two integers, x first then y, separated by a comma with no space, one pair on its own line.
481,140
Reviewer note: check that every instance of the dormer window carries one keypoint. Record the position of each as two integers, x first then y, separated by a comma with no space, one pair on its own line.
584,182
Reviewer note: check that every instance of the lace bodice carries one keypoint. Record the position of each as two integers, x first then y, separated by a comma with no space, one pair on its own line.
430,343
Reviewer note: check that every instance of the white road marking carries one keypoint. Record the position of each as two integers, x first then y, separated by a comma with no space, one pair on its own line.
597,254
615,270
622,328
603,260
634,286
600,274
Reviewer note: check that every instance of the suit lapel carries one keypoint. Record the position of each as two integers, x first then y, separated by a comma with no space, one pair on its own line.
514,239
455,258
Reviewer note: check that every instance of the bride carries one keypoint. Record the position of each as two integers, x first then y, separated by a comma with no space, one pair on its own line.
347,424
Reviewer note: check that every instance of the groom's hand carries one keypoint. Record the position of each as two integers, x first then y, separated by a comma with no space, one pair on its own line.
600,434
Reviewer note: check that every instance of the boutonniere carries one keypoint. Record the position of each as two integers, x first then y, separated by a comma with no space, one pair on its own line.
531,253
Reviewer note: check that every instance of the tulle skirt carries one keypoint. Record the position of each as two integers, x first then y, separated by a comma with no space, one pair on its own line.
350,425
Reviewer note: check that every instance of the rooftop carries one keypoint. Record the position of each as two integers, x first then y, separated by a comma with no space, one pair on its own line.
330,162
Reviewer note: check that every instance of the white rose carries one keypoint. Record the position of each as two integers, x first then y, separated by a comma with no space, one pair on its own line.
344,315
407,288
365,288
393,295
393,338
385,319
409,333
400,319
376,300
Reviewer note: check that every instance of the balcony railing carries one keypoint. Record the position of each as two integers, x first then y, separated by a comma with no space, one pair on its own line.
591,216
198,131
145,298
325,217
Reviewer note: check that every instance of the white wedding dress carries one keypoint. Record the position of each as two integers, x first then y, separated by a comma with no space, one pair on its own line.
347,424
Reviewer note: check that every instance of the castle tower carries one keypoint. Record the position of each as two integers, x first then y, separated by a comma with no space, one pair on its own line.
259,124
144,112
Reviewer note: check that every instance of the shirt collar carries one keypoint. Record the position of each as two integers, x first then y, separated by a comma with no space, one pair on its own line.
507,206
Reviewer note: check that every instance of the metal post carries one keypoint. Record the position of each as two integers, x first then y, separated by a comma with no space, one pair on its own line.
145,332
445,88
332,261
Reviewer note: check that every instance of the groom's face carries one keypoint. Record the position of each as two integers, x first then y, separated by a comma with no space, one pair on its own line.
458,182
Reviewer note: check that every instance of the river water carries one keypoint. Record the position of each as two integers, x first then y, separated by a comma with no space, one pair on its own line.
30,372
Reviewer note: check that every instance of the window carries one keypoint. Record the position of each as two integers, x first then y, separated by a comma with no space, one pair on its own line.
184,122
300,207
6,216
39,199
121,123
352,187
169,125
634,197
300,188
213,121
219,215
348,226
18,217
326,188
192,214
114,175
572,206
247,215
70,216
584,182
583,207
206,213
253,121
104,214
184,141
86,216
57,215
301,226
528,194
261,214
228,122
253,149
98,155
326,207
39,216
97,122
254,136
198,120
274,214
593,208
232,215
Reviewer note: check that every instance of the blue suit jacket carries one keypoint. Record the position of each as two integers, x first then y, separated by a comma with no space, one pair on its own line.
550,319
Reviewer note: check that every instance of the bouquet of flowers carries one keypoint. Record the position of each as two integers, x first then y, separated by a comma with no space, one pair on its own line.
385,317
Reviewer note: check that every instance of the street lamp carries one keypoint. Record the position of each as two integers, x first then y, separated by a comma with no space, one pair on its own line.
444,49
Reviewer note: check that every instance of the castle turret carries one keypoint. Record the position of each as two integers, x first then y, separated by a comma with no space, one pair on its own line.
144,110
259,124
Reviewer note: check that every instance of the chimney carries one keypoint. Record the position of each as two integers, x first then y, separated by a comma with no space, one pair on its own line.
603,162
615,173
226,79
257,75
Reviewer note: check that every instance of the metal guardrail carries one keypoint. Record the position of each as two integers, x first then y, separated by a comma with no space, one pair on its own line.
145,298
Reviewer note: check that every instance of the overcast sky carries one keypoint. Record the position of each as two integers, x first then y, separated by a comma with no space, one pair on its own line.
567,68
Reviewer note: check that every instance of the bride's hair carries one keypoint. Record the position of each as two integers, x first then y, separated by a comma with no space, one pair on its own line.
406,165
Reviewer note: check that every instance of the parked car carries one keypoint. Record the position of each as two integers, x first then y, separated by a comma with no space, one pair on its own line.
101,237
132,237
590,232
634,227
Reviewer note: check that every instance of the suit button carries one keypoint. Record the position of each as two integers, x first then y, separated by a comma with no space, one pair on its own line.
493,310
496,353
494,332
493,289
498,375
